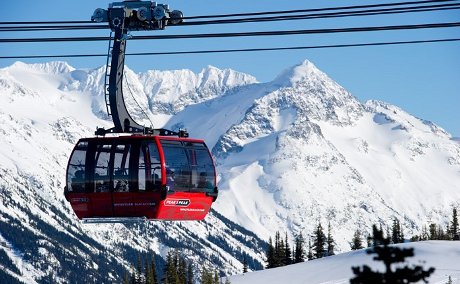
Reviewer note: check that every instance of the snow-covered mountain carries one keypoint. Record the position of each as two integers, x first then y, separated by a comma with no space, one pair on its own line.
290,153
301,149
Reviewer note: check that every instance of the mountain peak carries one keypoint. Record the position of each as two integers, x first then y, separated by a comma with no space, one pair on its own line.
53,67
303,71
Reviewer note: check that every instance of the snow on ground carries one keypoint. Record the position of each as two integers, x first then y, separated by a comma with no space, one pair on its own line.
400,162
444,256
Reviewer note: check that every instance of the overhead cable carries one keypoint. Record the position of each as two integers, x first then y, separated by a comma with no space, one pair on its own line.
240,50
371,12
242,34
51,28
318,9
256,13
46,22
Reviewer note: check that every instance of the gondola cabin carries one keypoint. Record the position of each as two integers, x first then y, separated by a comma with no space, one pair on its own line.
156,177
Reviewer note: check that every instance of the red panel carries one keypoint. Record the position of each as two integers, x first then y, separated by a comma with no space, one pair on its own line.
101,204
145,204
123,204
184,206
177,206
80,204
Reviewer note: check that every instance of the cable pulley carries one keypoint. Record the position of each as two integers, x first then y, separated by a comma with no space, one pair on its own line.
138,16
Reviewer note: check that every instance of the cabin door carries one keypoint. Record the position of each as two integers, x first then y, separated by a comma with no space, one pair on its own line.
101,195
122,181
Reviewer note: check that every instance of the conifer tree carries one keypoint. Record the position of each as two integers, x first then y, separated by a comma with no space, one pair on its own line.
454,226
299,253
424,236
245,263
153,268
397,235
287,251
388,234
448,234
356,242
166,268
394,231
401,234
377,236
138,274
171,276
330,241
190,274
181,269
433,232
319,241
148,274
279,250
206,276
441,234
216,277
270,254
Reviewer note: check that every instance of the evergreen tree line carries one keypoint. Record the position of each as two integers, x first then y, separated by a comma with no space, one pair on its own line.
177,270
390,256
279,252
437,232
396,234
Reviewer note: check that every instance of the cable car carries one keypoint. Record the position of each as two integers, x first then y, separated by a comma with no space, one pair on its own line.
137,172
156,177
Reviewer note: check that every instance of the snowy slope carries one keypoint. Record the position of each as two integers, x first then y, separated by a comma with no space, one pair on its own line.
444,256
290,152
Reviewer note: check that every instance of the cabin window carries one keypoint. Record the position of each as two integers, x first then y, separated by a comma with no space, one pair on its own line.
101,169
149,174
121,178
155,167
203,173
77,168
143,171
178,172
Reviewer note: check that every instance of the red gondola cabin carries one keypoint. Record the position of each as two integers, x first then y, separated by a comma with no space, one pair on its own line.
156,177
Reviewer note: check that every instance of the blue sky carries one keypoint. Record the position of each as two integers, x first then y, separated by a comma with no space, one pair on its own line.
423,79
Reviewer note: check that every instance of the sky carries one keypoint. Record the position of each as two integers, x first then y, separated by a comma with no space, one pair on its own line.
423,79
